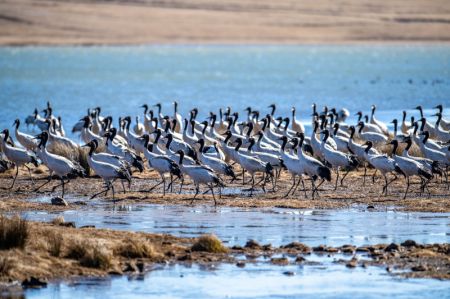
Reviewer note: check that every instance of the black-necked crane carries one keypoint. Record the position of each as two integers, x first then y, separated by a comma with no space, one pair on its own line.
383,164
27,141
58,165
201,175
18,156
410,168
337,159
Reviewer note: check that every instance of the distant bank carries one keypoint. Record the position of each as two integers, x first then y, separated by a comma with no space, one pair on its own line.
92,22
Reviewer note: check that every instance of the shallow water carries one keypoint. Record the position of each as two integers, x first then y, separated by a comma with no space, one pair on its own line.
260,280
270,225
120,79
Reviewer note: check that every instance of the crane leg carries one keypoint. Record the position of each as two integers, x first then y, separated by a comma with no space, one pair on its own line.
337,178
14,180
49,179
342,180
407,187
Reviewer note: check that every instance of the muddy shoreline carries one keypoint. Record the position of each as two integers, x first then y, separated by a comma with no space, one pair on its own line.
234,195
35,265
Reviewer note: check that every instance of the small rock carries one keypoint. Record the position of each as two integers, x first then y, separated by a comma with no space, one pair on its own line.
237,247
68,224
362,249
289,273
348,249
388,269
34,283
169,253
319,248
252,244
332,249
140,265
80,203
130,267
352,263
392,247
186,257
87,226
267,247
240,264
115,272
58,201
298,246
279,261
419,268
370,207
300,259
409,243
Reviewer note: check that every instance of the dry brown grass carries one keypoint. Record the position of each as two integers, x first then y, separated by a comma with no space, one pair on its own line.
209,243
133,248
13,232
77,249
6,265
55,243
97,257
90,254
58,220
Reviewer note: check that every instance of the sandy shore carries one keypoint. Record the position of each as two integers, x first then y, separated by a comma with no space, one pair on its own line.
353,193
87,22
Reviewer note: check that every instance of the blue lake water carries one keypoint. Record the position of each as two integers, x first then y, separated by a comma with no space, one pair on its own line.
120,79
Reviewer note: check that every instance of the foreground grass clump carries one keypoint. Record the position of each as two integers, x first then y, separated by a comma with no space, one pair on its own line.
135,249
209,243
97,257
6,265
13,232
54,243
89,254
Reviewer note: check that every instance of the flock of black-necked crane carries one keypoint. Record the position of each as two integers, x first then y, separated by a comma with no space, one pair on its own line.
207,151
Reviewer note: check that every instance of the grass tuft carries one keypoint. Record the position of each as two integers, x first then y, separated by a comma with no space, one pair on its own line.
91,255
13,232
135,249
58,220
209,243
77,249
6,265
54,242
97,257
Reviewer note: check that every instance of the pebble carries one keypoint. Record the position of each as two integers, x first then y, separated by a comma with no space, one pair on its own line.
252,244
300,259
392,247
58,201
33,282
279,261
409,243
240,264
289,273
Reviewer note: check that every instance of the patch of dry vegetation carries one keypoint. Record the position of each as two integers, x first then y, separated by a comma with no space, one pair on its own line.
55,242
209,243
13,232
132,248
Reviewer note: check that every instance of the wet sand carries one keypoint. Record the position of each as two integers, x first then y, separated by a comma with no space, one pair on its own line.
36,264
99,22
353,193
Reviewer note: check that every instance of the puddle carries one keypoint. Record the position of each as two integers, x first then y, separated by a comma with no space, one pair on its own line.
254,280
235,226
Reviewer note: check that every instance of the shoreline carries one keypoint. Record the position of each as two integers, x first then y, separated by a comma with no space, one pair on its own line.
361,43
136,253
234,196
